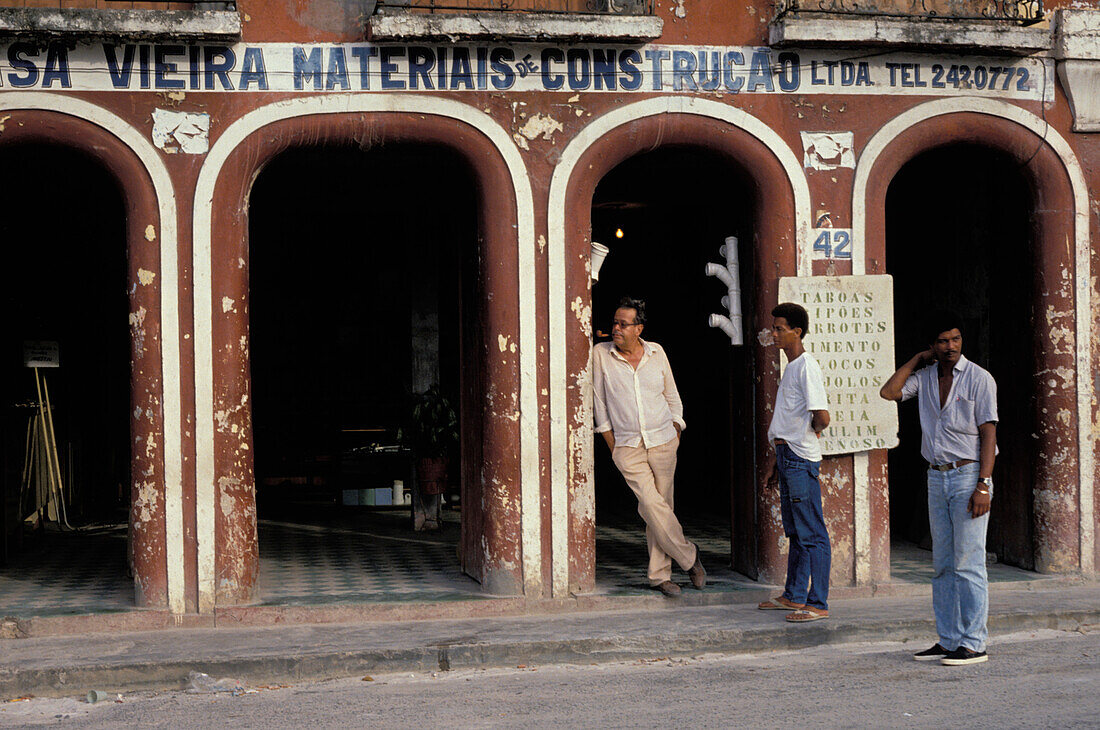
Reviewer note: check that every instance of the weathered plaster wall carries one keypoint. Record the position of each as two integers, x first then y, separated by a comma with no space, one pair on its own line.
542,125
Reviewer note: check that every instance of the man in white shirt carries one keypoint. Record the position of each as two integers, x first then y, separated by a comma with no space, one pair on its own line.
639,413
957,403
801,414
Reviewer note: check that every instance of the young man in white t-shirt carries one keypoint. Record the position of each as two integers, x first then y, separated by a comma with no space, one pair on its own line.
801,414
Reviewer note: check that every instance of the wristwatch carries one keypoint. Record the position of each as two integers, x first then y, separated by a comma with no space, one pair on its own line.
986,482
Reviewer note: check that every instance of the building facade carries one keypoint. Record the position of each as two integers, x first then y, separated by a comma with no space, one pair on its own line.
314,204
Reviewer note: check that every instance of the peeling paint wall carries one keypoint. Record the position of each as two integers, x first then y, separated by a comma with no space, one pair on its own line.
542,127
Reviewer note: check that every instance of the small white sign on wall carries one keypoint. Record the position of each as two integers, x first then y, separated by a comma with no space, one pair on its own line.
852,337
832,244
41,354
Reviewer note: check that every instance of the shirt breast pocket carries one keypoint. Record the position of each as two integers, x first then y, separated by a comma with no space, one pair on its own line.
960,417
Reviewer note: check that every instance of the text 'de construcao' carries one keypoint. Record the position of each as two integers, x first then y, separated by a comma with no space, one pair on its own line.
365,67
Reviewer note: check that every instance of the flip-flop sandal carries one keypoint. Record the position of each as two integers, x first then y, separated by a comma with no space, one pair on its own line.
806,615
780,604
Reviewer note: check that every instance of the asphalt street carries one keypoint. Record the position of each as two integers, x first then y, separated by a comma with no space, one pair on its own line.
1042,678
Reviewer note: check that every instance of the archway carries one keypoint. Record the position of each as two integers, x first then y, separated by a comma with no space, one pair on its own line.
659,254
1058,204
64,284
128,163
779,201
977,260
353,315
495,538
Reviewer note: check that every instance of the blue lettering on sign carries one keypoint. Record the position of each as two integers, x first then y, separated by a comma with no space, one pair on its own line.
833,244
710,76
863,74
628,65
57,67
120,75
16,51
657,59
731,82
143,67
577,69
683,71
218,69
460,69
307,68
603,68
760,71
550,80
482,69
389,68
500,61
193,66
162,67
421,61
337,72
364,55
253,70
488,67
790,75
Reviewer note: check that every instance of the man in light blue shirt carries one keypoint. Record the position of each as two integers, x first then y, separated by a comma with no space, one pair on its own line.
957,402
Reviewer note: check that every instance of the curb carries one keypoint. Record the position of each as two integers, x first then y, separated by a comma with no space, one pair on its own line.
13,627
166,675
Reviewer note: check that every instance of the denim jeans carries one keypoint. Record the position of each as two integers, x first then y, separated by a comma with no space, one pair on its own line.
960,589
809,557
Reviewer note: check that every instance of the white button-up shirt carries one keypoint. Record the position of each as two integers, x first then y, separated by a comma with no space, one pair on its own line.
641,406
951,433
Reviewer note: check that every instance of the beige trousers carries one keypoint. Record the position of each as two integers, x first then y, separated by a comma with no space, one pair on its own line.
649,473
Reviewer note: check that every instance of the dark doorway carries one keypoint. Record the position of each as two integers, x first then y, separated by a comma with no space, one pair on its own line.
674,207
959,236
63,280
363,269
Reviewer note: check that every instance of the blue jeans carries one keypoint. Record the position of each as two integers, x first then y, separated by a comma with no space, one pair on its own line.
809,557
960,589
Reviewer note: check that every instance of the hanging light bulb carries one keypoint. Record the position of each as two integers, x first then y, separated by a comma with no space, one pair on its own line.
618,233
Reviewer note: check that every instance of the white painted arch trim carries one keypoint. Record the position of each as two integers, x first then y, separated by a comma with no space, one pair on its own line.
169,309
1083,280
557,254
237,133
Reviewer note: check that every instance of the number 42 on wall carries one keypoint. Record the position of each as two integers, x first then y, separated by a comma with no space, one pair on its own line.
832,243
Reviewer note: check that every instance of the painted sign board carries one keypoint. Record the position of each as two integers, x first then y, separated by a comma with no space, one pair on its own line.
832,244
852,337
365,67
41,354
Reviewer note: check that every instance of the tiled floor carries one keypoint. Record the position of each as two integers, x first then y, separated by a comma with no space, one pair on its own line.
68,572
360,555
911,564
351,556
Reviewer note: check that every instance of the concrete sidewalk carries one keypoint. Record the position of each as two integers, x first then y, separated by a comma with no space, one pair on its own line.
282,653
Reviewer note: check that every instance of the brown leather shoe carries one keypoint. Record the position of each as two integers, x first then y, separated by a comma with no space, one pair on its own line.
697,573
669,588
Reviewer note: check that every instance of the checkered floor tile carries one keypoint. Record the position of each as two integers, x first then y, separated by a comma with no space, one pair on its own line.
358,555
68,572
911,564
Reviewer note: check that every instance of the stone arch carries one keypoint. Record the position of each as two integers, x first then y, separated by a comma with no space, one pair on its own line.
508,561
607,141
1057,182
156,519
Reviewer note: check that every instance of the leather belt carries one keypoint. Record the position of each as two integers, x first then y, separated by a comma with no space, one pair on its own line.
951,465
778,441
